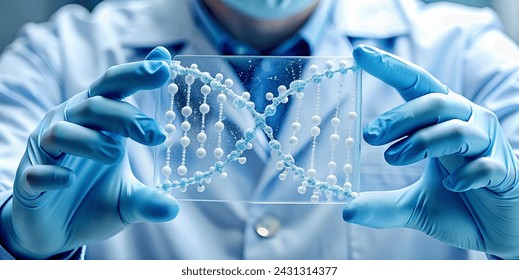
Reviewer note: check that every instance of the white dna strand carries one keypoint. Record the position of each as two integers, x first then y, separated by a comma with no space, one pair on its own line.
221,89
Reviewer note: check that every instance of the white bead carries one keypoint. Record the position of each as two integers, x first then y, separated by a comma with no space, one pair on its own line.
329,195
200,152
200,188
184,141
169,142
341,196
170,115
347,185
282,89
205,89
352,116
221,98
280,165
335,122
218,152
343,63
174,74
293,140
229,83
313,68
201,137
300,94
182,170
347,168
301,190
314,198
284,100
187,111
242,160
316,120
245,95
311,172
296,126
204,108
282,176
219,77
331,180
194,66
170,128
223,175
249,146
349,141
269,96
206,75
335,138
219,126
173,88
329,64
185,126
166,171
315,131
190,79
332,165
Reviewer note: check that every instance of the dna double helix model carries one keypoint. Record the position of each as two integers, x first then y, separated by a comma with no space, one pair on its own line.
204,93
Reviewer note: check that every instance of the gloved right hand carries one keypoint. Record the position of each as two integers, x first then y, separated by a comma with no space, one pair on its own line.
74,184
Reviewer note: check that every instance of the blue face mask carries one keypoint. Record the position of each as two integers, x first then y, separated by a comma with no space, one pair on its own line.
269,9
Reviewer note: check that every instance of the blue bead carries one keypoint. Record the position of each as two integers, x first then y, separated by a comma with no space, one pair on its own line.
298,85
274,145
205,78
270,110
219,166
268,130
198,176
288,160
241,145
233,156
239,102
183,182
249,134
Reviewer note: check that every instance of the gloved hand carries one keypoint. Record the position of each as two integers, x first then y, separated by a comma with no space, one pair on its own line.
468,194
74,184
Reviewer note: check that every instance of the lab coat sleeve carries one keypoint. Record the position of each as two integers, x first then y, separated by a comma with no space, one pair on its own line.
4,197
33,80
491,77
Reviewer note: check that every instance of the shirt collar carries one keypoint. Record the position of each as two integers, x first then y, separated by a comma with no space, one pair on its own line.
157,22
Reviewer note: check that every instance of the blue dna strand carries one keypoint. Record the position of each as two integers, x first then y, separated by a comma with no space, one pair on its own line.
343,147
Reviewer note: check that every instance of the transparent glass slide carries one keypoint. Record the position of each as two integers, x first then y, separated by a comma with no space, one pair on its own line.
260,130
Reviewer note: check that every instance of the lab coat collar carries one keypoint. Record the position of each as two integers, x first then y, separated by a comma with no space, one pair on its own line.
169,22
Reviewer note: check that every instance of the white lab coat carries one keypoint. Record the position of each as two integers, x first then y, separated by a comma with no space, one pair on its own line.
51,62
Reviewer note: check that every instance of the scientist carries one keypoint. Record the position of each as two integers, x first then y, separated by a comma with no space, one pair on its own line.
439,171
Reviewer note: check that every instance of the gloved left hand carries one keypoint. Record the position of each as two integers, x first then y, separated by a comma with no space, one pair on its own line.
468,195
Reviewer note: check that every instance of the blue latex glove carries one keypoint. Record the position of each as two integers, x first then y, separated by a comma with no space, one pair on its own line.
468,195
74,184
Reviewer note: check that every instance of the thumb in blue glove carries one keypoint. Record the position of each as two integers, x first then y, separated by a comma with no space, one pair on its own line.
74,185
468,195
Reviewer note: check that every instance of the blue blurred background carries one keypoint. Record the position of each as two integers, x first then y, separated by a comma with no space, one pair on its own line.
14,13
